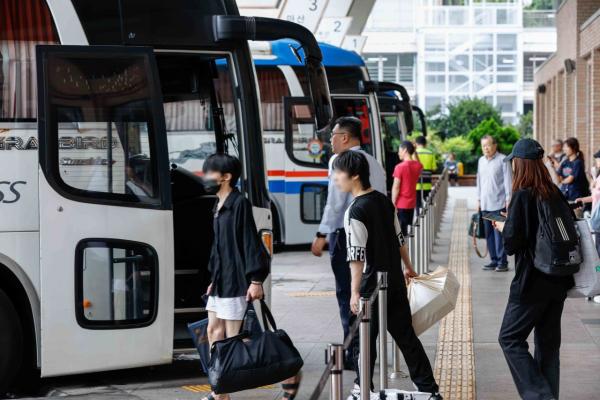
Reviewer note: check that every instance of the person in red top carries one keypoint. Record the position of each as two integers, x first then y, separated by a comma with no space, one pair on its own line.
404,192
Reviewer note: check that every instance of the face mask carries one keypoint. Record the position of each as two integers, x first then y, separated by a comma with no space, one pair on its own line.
211,186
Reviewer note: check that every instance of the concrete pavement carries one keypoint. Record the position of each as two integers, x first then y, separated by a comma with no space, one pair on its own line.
304,305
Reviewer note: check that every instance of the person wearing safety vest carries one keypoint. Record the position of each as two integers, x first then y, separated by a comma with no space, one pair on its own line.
427,158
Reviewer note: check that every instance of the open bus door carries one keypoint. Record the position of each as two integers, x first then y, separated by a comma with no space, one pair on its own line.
106,225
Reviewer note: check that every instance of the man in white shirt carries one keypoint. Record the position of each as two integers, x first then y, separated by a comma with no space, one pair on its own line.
494,185
346,135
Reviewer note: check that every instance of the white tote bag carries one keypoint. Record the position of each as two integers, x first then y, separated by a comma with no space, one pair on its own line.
432,297
587,280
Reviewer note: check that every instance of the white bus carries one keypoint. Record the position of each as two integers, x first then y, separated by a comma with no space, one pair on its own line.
296,155
107,111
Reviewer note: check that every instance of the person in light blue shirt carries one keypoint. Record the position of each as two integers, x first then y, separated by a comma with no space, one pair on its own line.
494,185
346,135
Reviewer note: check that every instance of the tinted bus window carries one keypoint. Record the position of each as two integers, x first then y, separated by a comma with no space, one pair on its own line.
273,88
342,80
23,25
198,90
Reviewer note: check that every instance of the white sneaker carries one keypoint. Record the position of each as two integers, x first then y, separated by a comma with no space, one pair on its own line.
355,394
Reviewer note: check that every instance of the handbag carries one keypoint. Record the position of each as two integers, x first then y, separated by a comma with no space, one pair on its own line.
249,361
595,219
477,231
199,335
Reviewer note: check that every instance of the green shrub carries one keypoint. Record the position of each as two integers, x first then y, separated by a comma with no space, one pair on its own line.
506,136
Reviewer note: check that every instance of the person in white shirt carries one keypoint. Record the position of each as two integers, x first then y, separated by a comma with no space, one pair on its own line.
346,135
494,180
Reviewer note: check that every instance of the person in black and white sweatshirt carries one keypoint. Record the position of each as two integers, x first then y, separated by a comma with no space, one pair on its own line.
375,243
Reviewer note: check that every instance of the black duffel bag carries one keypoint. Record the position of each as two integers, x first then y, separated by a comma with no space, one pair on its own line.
249,361
476,228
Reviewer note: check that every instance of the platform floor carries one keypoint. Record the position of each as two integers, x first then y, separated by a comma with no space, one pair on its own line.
304,305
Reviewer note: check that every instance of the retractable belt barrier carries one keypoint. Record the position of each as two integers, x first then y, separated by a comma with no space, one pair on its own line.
421,239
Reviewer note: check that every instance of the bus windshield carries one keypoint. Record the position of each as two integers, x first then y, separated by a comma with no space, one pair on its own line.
200,111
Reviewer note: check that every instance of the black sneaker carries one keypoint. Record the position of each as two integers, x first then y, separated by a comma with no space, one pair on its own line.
436,396
502,268
489,267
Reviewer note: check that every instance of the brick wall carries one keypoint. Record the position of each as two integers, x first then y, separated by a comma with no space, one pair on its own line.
571,104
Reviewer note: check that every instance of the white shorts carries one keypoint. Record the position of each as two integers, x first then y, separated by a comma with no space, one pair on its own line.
229,308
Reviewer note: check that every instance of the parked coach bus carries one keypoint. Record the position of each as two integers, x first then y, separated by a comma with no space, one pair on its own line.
107,111
296,155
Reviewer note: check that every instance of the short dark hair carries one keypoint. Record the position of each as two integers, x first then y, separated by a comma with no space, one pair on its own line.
225,164
408,146
354,163
421,140
352,125
597,154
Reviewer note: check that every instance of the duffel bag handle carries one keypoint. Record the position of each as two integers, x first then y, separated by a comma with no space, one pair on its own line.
268,319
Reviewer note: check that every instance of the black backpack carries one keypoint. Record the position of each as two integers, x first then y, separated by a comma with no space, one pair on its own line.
557,250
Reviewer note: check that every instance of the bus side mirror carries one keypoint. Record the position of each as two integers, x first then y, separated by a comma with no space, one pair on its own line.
421,116
227,27
402,105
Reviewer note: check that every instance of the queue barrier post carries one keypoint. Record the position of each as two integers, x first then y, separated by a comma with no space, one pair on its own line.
382,309
336,353
365,349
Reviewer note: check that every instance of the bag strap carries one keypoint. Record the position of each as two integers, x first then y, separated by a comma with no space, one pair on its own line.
474,235
268,319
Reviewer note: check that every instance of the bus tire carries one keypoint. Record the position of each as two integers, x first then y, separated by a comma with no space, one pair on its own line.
11,343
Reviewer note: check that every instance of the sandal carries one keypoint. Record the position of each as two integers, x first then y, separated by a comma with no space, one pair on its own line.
290,390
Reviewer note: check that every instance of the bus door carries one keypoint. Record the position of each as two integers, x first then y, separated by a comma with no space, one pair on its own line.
308,151
106,225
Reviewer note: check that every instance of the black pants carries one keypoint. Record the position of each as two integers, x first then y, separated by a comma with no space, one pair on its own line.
343,279
406,217
400,327
536,377
421,197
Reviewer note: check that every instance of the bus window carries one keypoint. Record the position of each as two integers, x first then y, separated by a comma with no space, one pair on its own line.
102,115
356,107
116,283
200,108
304,144
23,25
273,88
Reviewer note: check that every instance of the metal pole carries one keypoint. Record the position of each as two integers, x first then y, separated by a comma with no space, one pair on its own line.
383,364
336,352
422,250
365,350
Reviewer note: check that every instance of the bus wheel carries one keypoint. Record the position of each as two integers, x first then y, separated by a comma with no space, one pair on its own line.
11,342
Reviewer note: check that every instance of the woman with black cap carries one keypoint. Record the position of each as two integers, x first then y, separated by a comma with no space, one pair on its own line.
536,299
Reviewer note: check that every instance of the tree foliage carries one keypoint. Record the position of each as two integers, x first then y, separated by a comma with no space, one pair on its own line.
506,136
525,126
462,117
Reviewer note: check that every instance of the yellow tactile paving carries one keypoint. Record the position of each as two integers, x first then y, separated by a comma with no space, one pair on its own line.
455,361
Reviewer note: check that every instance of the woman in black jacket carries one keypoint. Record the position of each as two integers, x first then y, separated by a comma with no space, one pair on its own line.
536,299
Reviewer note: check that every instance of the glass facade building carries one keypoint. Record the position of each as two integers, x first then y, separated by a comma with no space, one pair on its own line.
448,50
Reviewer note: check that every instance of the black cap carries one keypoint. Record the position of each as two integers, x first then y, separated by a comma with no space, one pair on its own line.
526,148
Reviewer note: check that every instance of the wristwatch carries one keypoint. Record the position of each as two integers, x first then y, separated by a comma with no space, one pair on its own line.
321,235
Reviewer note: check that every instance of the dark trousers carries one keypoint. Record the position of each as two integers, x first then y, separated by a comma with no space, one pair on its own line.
537,376
421,197
400,327
406,217
495,243
343,279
